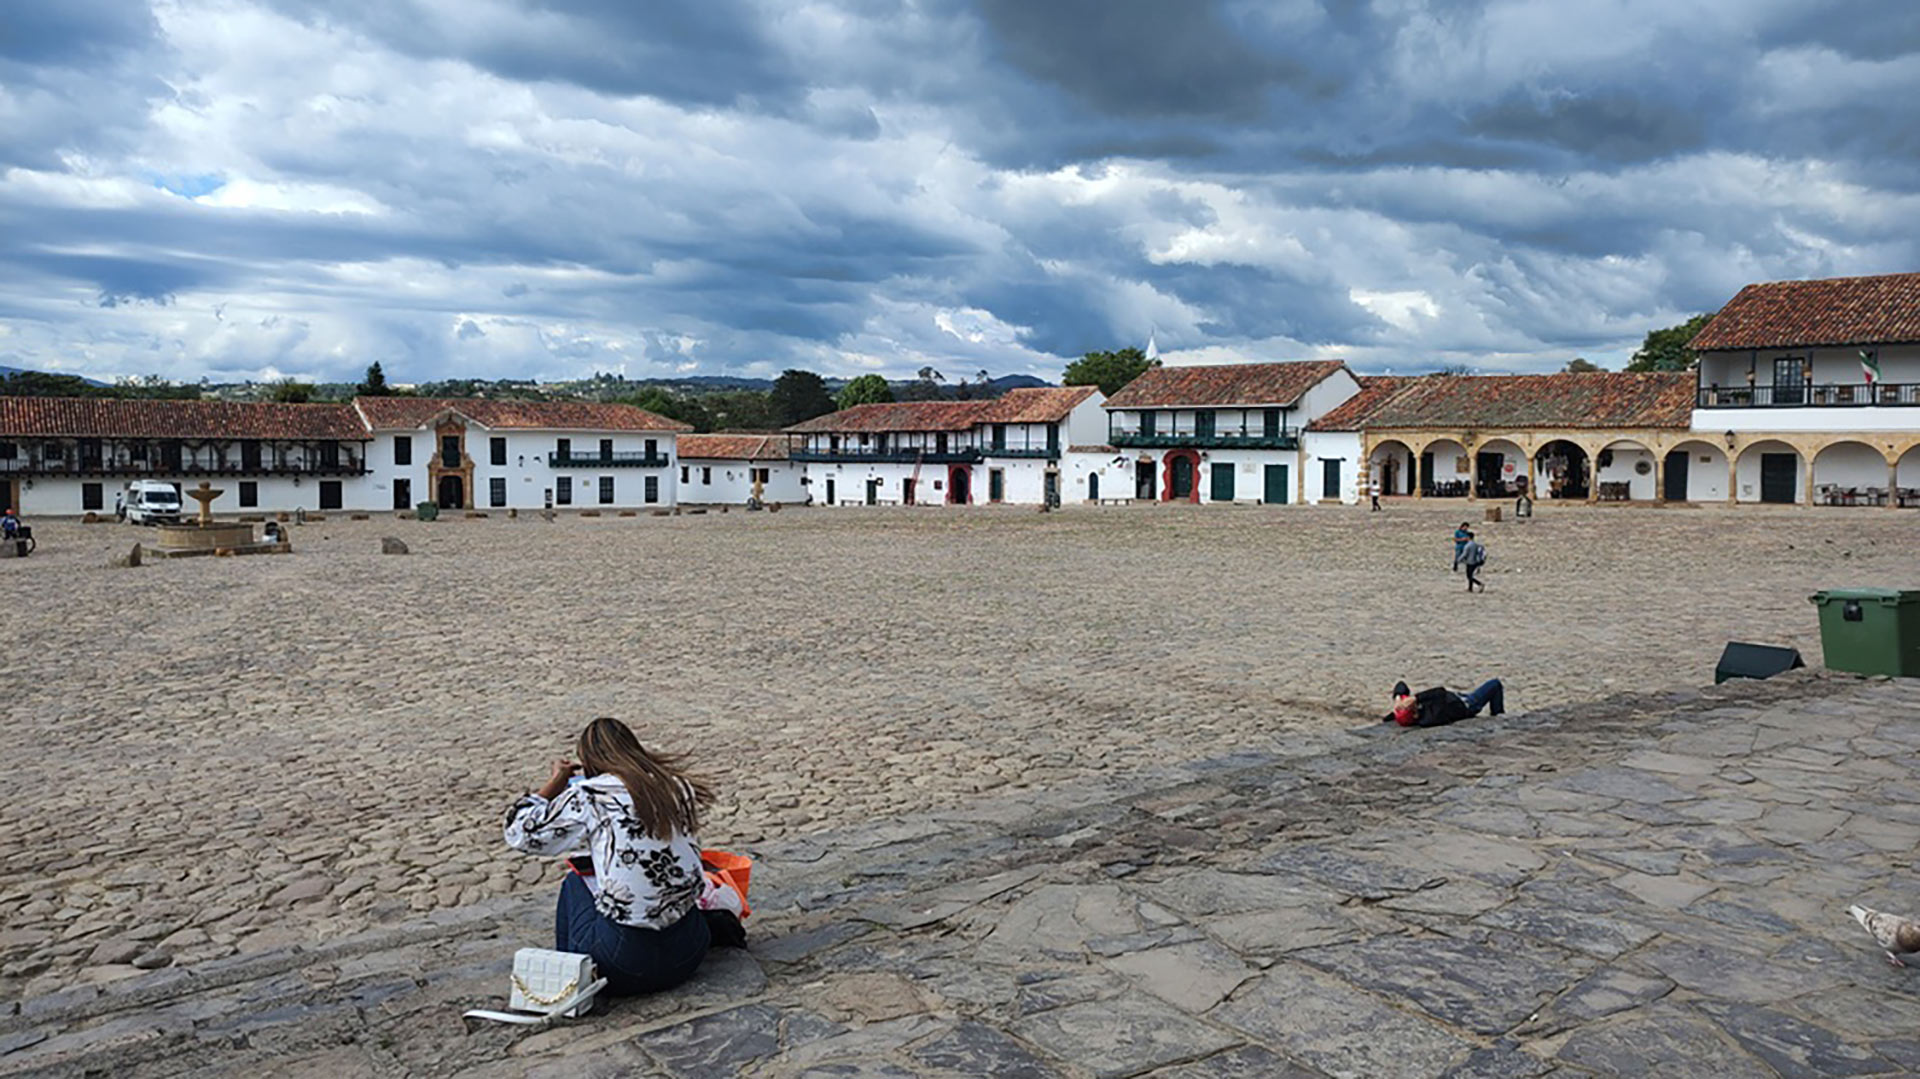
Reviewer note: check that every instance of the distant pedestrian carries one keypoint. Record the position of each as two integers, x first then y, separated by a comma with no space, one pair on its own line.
1373,491
9,524
1461,537
1440,706
119,505
1473,557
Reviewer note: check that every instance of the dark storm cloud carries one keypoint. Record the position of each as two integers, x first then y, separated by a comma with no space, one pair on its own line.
713,52
553,186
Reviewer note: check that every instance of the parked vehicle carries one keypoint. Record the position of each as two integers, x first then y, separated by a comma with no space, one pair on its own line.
152,502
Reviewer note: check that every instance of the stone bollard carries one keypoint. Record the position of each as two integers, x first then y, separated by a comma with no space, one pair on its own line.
1493,514
392,545
513,514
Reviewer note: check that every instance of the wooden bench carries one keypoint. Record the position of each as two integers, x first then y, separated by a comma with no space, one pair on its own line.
1112,501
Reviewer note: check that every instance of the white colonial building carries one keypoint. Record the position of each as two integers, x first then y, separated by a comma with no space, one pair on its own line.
492,454
1234,432
723,469
61,455
1030,446
1809,392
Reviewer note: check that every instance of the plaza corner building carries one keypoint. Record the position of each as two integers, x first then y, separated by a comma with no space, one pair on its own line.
64,455
1032,445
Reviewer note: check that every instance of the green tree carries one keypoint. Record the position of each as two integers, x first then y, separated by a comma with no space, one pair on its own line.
1108,370
798,396
1580,365
375,384
685,409
739,410
288,392
865,390
926,387
1666,350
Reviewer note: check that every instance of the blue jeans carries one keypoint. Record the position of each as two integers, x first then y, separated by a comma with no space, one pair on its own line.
1490,695
632,960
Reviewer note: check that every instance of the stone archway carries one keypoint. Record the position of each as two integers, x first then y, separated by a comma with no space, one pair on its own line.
1500,468
1770,470
1848,473
1446,469
1907,477
1394,465
959,485
1625,470
1694,471
1562,469
1181,481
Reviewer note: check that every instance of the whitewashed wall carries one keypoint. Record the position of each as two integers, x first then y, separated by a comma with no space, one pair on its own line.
1086,425
1343,446
1850,464
1706,471
1624,468
727,481
1747,471
529,477
63,496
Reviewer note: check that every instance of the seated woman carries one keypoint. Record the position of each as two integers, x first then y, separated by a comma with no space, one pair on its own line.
1440,706
637,814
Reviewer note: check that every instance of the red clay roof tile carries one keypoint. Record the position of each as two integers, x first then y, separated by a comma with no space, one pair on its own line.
99,417
1228,384
1353,413
734,446
1882,310
1602,399
406,413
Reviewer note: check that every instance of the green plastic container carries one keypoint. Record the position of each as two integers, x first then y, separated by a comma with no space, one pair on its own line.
1870,630
427,511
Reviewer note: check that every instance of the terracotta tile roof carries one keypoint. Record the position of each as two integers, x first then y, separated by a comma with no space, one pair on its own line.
1037,404
734,446
1881,310
95,417
1353,413
899,416
1603,399
407,413
1223,384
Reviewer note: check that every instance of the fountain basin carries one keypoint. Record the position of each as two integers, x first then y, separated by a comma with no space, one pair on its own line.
204,538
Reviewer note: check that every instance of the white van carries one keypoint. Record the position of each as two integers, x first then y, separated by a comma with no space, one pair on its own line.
152,502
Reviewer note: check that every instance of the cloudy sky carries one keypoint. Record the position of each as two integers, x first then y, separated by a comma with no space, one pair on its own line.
546,188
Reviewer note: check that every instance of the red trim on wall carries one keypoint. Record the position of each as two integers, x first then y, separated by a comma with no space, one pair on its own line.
1166,475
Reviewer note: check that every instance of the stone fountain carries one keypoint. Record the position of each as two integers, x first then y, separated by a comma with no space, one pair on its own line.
204,535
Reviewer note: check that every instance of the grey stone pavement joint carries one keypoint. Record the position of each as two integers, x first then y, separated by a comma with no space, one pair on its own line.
1633,886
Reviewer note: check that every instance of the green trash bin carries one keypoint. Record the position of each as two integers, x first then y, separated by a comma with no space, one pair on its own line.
427,511
1870,630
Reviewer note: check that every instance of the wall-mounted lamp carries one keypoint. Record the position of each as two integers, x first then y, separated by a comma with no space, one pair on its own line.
1729,439
523,460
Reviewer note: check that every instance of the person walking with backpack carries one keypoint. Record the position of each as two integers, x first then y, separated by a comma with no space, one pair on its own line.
1473,556
1461,537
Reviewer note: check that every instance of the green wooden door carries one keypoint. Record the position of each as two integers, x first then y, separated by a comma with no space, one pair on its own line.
1222,482
1276,492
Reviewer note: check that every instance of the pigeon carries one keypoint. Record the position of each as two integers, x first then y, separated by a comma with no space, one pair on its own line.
1899,936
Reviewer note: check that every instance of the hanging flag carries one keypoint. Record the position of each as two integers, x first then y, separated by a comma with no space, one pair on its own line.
1153,350
1869,366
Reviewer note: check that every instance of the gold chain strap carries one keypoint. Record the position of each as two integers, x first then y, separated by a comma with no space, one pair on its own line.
564,992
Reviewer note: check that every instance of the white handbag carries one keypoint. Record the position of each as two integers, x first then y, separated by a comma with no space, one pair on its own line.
547,985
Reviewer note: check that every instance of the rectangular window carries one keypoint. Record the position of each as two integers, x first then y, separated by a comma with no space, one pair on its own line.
1789,380
330,494
1146,424
1330,479
90,452
249,494
706,475
329,455
606,449
999,436
497,490
683,473
450,451
250,455
563,447
606,490
653,489
563,491
940,442
1270,423
760,476
402,494
1053,440
1222,482
92,496
1203,423
497,447
137,453
170,456
653,447
402,449
8,451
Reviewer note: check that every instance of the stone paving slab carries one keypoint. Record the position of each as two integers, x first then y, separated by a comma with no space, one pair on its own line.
1641,885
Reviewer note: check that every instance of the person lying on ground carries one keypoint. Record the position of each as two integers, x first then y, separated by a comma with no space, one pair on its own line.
636,813
1440,706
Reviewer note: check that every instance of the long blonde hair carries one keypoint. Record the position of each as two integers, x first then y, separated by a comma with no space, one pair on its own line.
665,798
